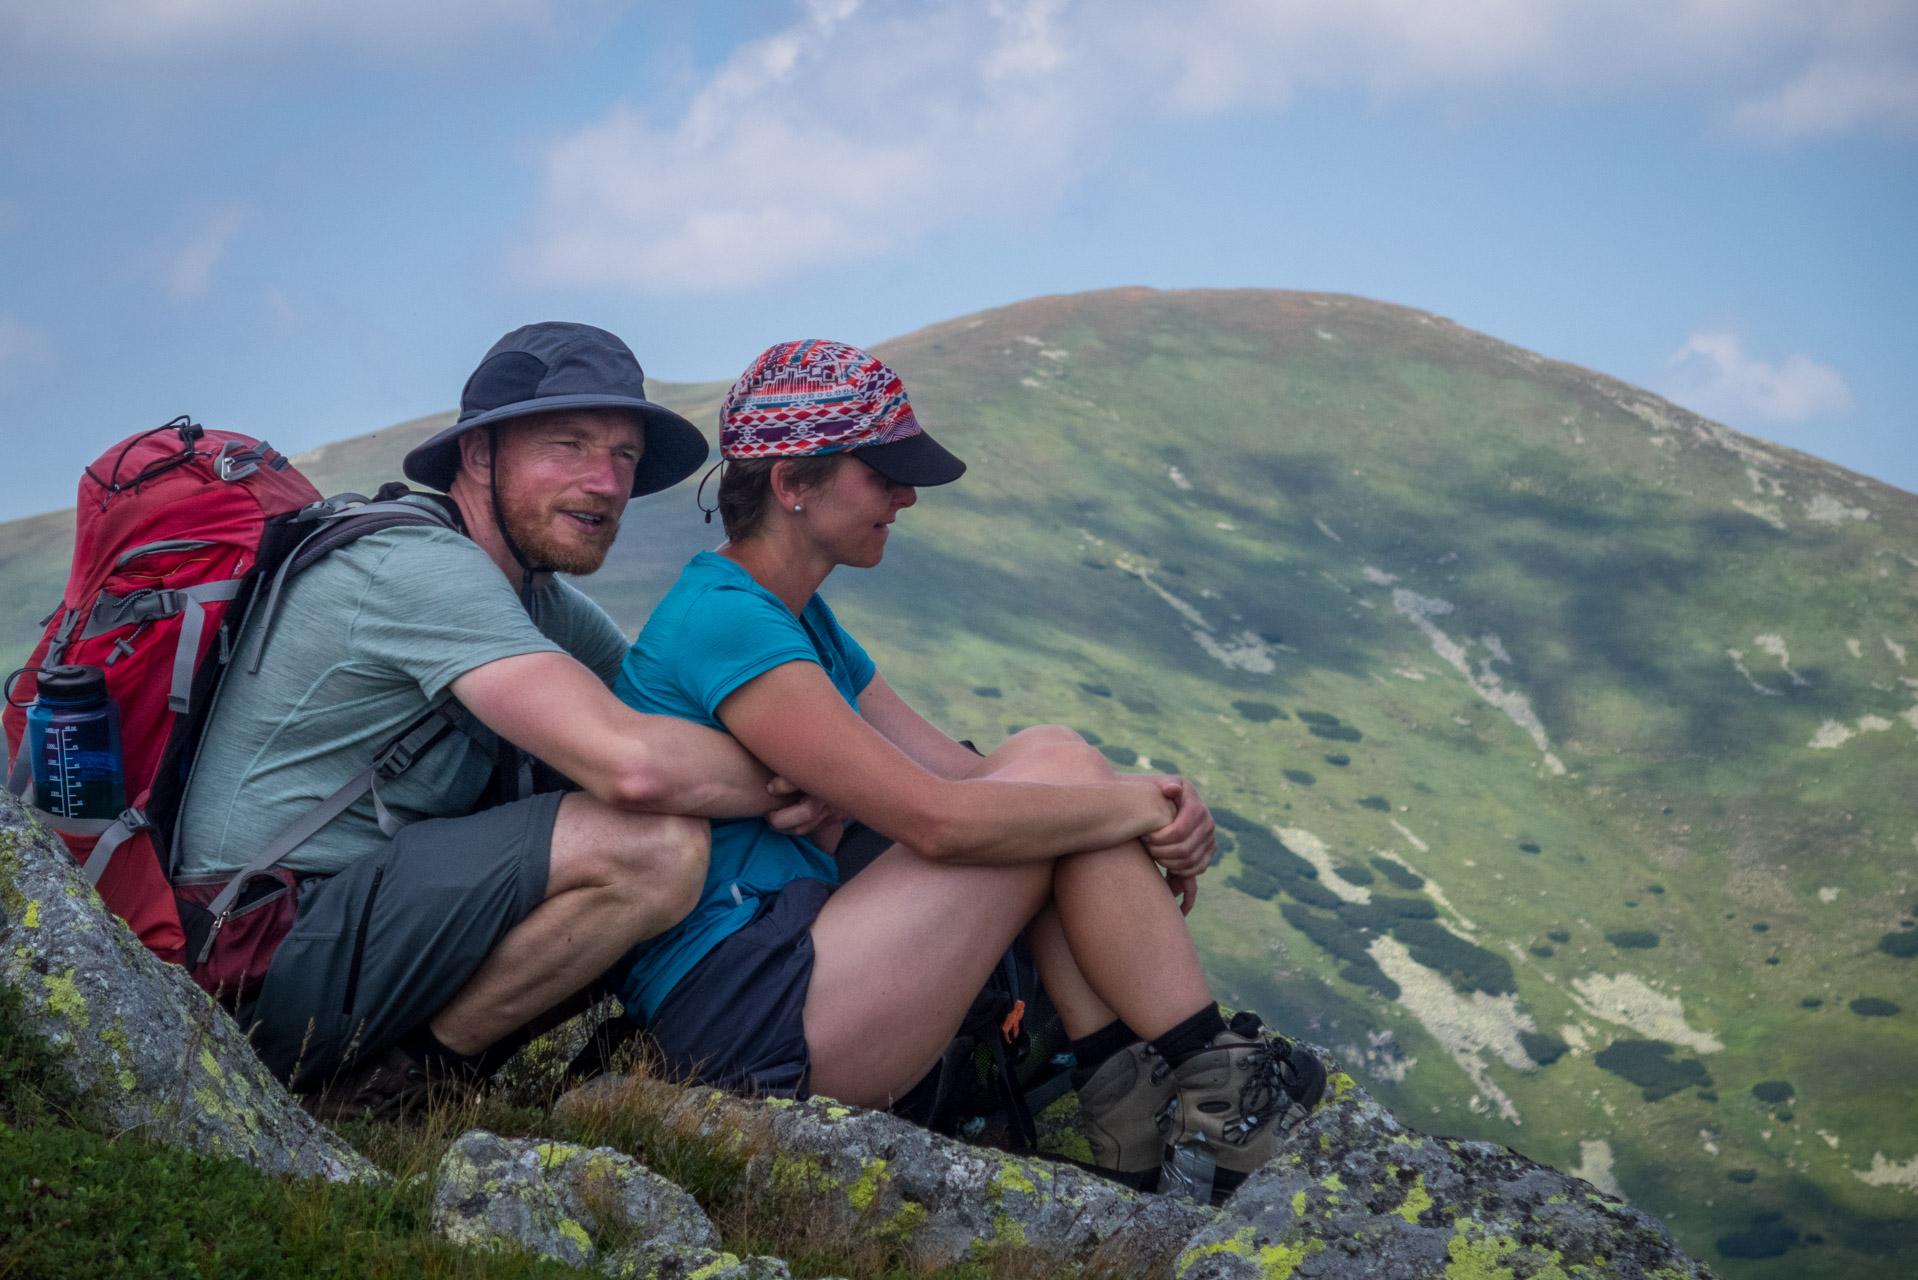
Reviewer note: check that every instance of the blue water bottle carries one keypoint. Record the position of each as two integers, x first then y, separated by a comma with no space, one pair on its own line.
73,737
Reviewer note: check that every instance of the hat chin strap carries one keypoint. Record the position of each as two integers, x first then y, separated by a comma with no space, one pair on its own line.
527,569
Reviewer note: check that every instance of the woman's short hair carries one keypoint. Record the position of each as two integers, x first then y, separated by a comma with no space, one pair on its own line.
746,487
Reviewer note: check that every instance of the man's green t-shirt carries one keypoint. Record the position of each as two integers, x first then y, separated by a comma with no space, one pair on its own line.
363,643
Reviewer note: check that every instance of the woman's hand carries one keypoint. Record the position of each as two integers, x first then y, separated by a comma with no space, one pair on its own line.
1183,846
799,814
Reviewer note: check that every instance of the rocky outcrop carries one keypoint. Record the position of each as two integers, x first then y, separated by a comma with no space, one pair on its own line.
586,1207
1354,1193
146,1048
866,1176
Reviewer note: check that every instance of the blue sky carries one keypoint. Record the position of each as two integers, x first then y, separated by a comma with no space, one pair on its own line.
309,220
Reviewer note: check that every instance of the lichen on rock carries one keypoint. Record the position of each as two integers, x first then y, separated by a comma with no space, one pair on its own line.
1354,1193
583,1206
145,1048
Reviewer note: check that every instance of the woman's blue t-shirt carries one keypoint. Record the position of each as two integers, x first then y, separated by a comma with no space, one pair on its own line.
715,630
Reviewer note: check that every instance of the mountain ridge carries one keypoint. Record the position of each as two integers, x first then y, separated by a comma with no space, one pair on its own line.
1526,698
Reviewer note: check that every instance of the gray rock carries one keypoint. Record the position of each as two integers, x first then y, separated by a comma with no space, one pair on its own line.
863,1175
583,1206
148,1048
1353,1193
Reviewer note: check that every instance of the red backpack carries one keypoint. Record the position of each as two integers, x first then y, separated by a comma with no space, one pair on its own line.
177,527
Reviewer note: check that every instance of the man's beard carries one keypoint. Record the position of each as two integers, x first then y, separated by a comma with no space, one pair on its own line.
530,526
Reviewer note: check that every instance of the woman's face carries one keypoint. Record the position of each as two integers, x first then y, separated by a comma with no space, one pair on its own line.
850,516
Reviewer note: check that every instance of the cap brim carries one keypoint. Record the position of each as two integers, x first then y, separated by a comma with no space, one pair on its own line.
918,460
674,447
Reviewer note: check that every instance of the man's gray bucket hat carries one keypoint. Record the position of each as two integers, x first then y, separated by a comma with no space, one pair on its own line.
557,365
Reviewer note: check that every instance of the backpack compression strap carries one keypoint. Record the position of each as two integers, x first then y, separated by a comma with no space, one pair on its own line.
395,759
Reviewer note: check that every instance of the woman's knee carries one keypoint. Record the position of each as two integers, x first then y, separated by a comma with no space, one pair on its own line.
1060,761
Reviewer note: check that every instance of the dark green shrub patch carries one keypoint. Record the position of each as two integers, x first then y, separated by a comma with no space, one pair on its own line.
1467,966
1335,732
1259,712
1902,945
34,1085
1527,846
1873,1007
1163,765
1742,1175
1314,894
1654,888
1329,934
1231,821
1403,877
1378,804
1766,1240
1761,927
1338,759
1772,960
1542,950
1810,1002
1259,847
1259,884
1354,875
1633,939
1771,1092
1120,755
1319,718
1095,564
1092,739
1559,935
1541,1048
1370,975
1299,776
986,691
1649,1065
1097,690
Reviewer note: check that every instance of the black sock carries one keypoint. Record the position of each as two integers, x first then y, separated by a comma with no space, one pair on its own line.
440,1062
1191,1037
1090,1052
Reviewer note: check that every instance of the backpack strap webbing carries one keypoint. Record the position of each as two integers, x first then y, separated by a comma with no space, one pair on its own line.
396,758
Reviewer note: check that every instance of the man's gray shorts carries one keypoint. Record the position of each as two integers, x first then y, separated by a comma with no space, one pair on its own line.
387,943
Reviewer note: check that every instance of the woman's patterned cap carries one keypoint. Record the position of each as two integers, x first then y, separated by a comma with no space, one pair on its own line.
800,399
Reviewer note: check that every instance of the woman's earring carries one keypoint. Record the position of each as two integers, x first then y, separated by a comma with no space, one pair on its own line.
796,506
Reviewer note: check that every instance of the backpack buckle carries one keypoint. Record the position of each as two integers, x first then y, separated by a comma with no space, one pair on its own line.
235,461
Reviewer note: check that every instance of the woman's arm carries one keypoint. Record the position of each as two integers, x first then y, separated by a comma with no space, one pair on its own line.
912,733
793,720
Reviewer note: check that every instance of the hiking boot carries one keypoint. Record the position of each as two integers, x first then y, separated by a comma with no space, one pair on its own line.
394,1086
1119,1107
1233,1100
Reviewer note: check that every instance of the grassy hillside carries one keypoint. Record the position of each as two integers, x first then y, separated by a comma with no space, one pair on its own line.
1568,739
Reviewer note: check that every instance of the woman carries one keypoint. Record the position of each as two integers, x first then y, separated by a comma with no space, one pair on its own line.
778,983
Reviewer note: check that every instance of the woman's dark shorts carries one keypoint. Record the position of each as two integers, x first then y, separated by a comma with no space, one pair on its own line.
384,945
737,1021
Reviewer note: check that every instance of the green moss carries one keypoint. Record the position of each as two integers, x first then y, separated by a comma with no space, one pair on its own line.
872,1179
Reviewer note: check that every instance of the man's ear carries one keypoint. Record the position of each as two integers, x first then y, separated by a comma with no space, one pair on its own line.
476,455
779,480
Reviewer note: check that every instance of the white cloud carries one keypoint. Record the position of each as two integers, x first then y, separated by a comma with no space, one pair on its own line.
1713,375
190,272
861,126
156,28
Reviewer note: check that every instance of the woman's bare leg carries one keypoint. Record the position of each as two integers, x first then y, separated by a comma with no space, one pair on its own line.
901,951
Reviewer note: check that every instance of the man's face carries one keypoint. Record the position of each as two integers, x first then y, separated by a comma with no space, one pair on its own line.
564,479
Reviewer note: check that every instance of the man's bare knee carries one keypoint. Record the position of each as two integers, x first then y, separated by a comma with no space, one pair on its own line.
665,857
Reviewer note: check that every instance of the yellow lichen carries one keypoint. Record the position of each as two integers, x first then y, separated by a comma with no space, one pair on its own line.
1332,1182
838,1113
1009,1178
64,998
1417,1200
1483,1258
724,1262
1298,1203
1275,1261
32,918
1340,1084
872,1177
577,1234
211,1064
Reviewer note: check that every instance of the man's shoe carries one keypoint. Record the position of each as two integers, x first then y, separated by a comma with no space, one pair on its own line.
1119,1107
394,1086
1232,1101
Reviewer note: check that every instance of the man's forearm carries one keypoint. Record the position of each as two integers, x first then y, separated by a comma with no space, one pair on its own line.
688,769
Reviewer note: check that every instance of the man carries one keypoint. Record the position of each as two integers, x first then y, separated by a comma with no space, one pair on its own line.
414,955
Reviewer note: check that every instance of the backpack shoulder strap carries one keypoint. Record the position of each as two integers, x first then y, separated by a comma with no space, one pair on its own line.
339,520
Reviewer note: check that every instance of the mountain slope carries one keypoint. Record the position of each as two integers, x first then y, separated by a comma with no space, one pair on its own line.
1568,738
